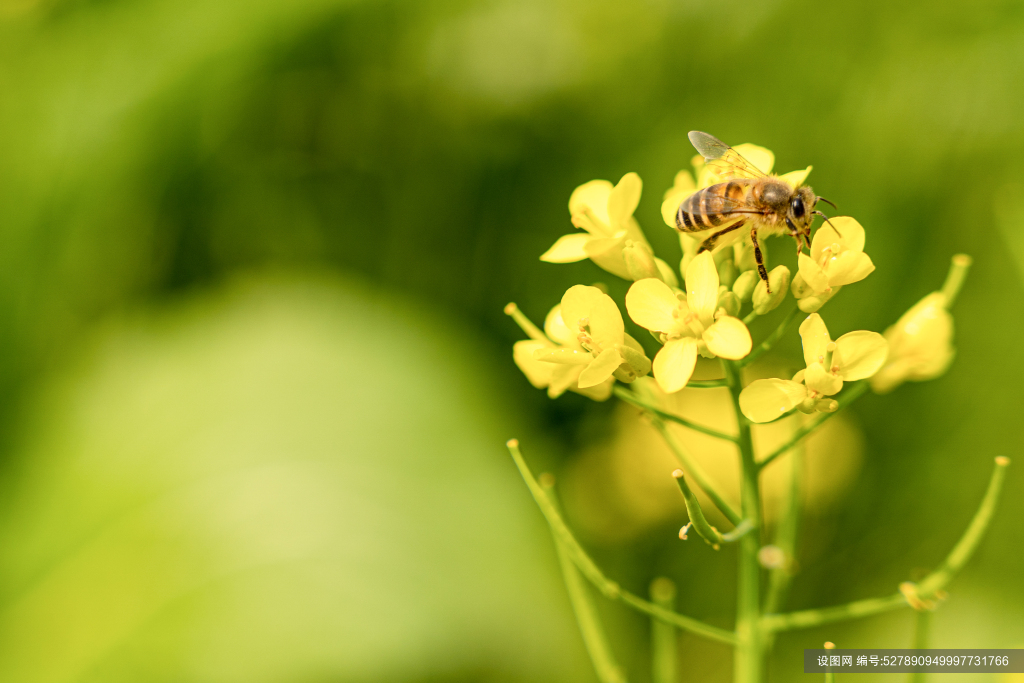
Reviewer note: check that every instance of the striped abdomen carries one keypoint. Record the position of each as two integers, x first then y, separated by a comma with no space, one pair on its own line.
713,206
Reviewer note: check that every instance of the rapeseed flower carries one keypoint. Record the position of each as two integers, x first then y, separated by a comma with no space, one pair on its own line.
583,354
605,214
837,259
854,356
687,324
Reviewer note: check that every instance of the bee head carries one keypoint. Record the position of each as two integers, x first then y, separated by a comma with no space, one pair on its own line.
801,206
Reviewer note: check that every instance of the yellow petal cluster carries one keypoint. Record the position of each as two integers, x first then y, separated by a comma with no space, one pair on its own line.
605,214
687,324
837,258
583,349
854,356
920,345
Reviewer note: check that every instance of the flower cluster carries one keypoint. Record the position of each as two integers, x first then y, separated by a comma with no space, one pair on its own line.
584,346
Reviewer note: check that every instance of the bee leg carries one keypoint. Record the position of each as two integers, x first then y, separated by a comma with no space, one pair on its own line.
709,243
759,257
797,235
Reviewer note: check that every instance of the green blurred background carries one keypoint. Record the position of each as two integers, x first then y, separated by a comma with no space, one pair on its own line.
255,378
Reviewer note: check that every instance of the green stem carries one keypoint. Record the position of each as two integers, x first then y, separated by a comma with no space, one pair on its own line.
844,400
928,589
663,636
594,638
706,383
922,629
749,654
607,587
961,264
631,398
696,471
785,538
709,533
527,326
770,341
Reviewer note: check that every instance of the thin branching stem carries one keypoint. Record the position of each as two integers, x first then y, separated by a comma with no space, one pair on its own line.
921,593
594,638
663,636
845,399
709,533
610,589
695,470
631,398
785,537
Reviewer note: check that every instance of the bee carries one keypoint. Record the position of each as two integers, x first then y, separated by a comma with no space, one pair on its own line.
748,200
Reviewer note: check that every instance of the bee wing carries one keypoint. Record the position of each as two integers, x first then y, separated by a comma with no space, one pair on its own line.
723,159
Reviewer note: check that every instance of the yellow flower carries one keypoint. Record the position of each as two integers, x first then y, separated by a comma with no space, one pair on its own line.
605,213
837,259
920,345
580,357
854,356
687,323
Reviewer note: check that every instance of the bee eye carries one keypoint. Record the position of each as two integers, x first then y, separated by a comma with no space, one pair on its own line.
797,206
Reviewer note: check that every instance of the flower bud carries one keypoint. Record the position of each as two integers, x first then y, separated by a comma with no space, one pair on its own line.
727,272
920,345
765,302
640,261
743,256
806,299
633,354
744,285
668,276
728,301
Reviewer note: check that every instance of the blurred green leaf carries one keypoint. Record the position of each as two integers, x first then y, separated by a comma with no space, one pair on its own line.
289,480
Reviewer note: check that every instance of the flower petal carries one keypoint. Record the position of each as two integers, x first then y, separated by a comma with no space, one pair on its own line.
766,399
850,236
674,364
702,287
556,329
623,200
860,354
567,249
848,267
538,372
600,369
812,274
650,303
562,378
597,311
606,252
593,195
600,392
815,338
818,379
796,178
728,338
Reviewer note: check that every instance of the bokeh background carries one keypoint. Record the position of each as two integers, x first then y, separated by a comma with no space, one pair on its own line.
255,378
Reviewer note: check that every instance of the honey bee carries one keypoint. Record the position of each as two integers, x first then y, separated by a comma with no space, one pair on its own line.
748,200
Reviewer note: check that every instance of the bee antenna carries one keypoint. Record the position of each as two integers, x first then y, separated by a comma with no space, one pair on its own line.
822,199
828,221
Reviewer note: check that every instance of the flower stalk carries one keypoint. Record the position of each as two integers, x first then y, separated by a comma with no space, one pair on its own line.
749,654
